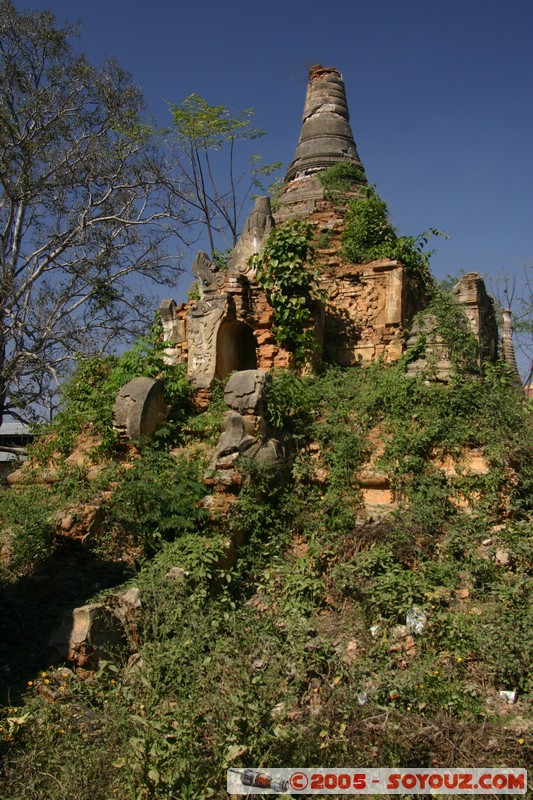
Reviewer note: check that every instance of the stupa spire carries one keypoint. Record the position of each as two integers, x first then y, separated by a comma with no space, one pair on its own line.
507,348
326,136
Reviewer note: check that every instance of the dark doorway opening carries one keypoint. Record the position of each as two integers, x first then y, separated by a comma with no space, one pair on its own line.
236,348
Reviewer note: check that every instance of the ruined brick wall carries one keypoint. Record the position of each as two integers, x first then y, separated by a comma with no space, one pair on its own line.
252,307
436,359
368,305
245,303
230,327
364,312
471,294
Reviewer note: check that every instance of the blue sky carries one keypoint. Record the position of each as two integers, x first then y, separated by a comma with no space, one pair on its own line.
440,96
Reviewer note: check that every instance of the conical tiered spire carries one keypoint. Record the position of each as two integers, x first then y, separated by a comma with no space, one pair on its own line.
507,347
326,136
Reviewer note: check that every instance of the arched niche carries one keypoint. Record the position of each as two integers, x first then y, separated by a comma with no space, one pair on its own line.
236,348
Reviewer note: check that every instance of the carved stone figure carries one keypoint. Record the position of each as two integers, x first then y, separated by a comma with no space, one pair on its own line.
173,331
140,408
245,391
256,229
244,430
209,276
203,322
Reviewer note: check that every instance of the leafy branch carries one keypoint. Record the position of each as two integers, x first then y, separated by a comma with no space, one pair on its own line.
200,131
284,269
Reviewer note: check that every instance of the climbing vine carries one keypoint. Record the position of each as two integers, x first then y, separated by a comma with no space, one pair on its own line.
369,235
284,269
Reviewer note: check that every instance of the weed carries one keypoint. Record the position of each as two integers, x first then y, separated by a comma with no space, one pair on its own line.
340,180
157,499
27,521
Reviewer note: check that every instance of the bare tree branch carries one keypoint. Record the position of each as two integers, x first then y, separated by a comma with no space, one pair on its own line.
514,291
89,210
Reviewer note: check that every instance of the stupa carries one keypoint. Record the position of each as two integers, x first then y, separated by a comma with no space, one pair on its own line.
368,307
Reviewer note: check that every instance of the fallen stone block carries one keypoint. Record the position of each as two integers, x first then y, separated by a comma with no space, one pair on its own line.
87,634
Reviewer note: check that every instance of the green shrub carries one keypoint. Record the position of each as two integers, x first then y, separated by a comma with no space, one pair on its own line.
27,526
288,405
156,500
341,179
369,235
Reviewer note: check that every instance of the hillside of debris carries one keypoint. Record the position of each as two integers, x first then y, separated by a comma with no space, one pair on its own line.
364,598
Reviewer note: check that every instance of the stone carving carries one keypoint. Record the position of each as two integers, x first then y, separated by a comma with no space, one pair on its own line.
233,442
245,391
364,313
140,409
203,322
244,431
173,328
209,276
260,222
232,434
471,294
256,229
266,455
173,331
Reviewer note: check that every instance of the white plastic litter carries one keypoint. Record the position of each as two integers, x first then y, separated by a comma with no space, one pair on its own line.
416,619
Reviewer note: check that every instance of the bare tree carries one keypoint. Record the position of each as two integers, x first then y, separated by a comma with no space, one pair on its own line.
514,291
210,177
86,215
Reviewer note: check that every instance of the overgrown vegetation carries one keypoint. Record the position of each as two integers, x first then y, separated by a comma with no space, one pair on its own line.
336,638
156,500
447,322
284,268
152,499
89,396
341,180
369,235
